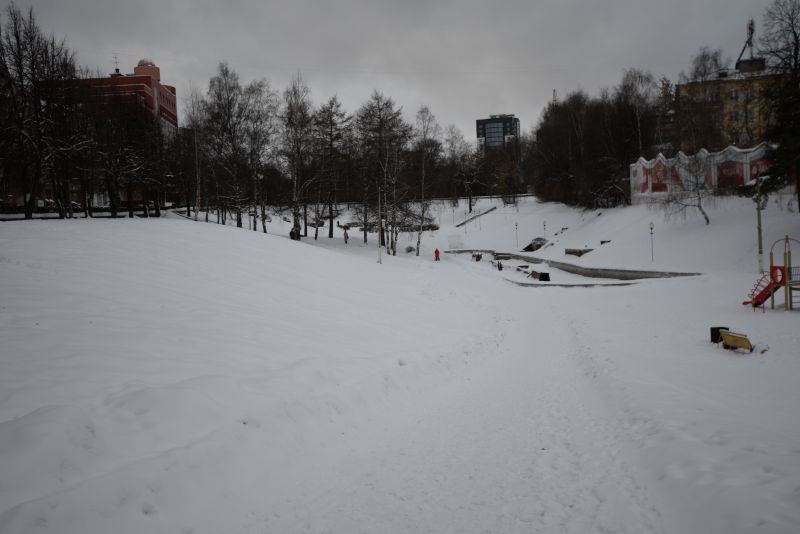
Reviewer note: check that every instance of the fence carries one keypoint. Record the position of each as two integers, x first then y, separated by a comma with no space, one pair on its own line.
731,167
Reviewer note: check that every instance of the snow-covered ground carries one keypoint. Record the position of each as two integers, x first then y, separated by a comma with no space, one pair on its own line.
164,375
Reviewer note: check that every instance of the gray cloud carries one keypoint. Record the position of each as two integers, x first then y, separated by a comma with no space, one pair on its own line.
463,58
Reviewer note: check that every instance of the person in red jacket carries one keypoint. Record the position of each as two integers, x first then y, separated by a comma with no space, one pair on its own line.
436,255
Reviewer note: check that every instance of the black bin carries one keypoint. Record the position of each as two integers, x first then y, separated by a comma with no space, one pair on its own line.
715,337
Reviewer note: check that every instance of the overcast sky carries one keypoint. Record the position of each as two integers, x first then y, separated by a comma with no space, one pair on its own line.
465,59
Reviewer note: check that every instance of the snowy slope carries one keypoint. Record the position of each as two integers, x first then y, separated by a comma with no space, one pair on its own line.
172,376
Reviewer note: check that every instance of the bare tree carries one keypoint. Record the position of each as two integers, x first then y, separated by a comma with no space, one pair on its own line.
194,119
639,90
384,135
780,41
261,104
706,64
428,132
226,114
331,131
297,118
32,65
691,186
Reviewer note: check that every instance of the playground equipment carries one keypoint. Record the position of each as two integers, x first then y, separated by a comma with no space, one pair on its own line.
779,276
735,340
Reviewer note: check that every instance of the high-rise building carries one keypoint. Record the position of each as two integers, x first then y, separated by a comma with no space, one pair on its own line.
498,132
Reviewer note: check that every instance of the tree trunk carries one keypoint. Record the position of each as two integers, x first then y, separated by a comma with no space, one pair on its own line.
264,211
130,203
366,221
316,213
395,231
295,231
422,204
366,210
330,215
702,211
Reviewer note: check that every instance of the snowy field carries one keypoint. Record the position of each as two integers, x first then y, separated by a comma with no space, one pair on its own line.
170,376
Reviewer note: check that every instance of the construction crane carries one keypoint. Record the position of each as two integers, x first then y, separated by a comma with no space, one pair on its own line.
751,29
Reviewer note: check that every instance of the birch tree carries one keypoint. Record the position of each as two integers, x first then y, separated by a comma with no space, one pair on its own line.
427,132
384,136
297,119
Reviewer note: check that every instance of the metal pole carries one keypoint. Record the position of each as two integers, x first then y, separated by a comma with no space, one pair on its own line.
652,254
544,224
516,234
787,271
758,218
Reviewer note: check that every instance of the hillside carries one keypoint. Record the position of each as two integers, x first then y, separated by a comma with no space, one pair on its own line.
172,376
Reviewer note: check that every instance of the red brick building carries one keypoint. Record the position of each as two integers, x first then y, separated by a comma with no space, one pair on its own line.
141,88
144,86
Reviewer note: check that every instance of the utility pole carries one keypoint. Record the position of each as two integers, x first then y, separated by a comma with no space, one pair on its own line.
759,204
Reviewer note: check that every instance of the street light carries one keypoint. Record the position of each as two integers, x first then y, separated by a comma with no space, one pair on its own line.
652,255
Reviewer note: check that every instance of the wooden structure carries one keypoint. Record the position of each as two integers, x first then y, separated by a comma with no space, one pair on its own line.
735,340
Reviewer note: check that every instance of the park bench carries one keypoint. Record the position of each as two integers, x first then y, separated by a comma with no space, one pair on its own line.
733,340
542,277
577,251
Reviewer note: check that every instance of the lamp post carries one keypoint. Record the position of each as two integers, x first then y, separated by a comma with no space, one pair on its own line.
759,207
516,234
652,255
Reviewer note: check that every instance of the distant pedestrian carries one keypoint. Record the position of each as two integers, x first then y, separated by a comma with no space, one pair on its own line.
499,266
345,235
436,255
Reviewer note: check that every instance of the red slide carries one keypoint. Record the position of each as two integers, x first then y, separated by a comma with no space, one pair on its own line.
765,287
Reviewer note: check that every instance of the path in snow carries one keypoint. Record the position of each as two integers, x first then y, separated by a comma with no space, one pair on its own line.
513,446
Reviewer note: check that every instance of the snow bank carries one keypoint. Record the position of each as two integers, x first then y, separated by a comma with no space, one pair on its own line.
167,375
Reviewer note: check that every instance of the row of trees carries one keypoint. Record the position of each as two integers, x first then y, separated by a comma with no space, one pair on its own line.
580,150
581,147
255,146
242,146
780,44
